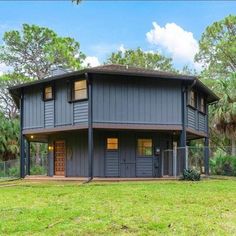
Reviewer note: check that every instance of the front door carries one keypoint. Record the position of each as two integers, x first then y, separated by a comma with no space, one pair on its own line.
59,158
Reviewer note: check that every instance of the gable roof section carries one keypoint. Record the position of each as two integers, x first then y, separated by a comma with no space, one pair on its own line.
113,69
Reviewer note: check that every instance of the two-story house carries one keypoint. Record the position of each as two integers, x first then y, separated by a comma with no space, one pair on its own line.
112,120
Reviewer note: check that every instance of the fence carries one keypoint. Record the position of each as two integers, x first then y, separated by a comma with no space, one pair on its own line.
221,161
11,168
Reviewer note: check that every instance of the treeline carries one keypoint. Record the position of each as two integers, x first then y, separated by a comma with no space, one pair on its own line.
33,52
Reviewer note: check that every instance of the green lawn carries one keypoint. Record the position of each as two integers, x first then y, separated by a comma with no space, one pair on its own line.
134,208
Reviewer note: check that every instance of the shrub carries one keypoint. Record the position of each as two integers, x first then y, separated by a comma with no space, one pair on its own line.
223,165
37,170
191,175
14,172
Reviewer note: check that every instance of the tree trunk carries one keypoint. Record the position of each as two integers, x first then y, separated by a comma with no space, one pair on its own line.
233,146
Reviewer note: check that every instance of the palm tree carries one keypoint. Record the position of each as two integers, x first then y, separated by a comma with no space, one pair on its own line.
224,112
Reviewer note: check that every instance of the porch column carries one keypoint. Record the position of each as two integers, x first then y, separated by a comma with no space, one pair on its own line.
90,127
22,138
27,157
22,156
206,155
183,135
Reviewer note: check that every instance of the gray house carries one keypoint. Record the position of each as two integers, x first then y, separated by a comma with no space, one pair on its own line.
112,120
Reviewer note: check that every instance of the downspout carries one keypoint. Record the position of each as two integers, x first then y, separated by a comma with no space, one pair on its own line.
90,128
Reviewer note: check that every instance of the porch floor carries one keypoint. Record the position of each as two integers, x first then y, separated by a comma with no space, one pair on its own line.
95,179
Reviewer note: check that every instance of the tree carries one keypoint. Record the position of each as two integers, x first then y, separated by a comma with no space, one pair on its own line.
142,59
224,112
35,51
7,105
9,138
217,48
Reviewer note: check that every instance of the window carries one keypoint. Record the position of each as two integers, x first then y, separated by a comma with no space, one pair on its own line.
48,93
112,143
145,147
80,90
202,105
192,99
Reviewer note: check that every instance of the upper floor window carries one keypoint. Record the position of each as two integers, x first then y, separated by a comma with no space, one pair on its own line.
144,147
112,143
48,93
79,91
202,105
192,99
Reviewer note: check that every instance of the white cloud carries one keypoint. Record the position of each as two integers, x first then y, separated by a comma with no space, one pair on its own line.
122,48
91,61
180,44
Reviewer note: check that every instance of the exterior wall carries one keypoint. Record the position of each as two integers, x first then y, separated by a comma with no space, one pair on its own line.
127,164
196,120
53,113
135,101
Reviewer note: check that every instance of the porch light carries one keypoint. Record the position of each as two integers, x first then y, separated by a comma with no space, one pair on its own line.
50,148
32,136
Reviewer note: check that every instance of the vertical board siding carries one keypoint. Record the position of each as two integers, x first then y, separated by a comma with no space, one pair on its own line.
63,109
202,122
49,114
33,109
144,167
191,118
80,111
112,164
135,101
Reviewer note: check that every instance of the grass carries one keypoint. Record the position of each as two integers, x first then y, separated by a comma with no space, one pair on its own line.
129,208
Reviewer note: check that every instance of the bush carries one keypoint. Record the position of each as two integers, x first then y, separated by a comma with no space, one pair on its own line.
223,165
191,175
37,170
14,172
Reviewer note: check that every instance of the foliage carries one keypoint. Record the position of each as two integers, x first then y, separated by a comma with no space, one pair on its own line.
140,58
138,208
223,113
9,138
191,175
14,172
35,51
38,170
217,47
223,165
7,104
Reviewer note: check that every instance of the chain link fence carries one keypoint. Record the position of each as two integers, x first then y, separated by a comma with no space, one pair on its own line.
11,169
221,160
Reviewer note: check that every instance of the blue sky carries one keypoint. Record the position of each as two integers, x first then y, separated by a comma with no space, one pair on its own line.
106,26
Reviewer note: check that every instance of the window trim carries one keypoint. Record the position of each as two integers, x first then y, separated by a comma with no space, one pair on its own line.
113,149
53,93
195,99
72,99
137,148
200,105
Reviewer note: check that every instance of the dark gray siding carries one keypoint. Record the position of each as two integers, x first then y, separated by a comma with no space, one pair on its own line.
124,163
144,166
80,112
49,113
196,120
135,101
191,117
112,164
33,109
202,122
63,109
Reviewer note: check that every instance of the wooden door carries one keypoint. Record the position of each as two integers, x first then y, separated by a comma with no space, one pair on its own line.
59,158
